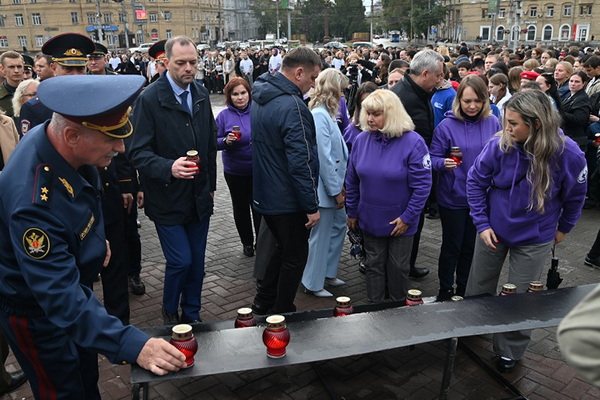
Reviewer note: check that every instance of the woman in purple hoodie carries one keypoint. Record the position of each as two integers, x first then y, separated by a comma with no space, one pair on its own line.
387,184
237,158
525,190
468,126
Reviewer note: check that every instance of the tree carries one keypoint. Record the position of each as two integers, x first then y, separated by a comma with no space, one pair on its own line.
347,17
413,16
312,19
266,12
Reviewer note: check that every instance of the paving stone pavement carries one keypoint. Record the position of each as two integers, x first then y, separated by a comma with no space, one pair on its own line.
398,374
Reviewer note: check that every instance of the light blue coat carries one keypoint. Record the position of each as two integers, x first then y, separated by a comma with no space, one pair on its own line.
333,157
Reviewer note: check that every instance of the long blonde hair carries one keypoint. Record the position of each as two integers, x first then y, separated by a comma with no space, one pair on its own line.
328,90
542,146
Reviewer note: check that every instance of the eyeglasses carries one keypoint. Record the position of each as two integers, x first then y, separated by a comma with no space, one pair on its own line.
30,94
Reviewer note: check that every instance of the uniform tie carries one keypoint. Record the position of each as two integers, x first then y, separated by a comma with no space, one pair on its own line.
184,102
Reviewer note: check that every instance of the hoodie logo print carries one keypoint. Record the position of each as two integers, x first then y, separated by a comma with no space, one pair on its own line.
427,161
582,178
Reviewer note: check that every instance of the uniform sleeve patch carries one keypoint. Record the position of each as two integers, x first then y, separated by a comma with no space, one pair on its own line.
427,161
36,243
25,125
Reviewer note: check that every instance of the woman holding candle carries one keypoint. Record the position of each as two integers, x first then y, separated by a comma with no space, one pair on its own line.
468,126
327,237
237,158
387,184
525,191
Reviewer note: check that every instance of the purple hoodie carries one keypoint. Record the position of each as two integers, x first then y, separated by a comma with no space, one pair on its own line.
387,178
237,158
471,137
498,193
350,134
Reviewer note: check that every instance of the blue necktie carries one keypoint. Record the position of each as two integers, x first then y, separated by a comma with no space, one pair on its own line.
184,103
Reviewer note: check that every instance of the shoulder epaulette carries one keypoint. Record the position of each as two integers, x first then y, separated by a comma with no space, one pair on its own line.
42,185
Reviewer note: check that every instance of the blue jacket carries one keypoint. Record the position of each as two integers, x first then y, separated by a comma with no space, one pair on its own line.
284,148
52,246
237,158
333,157
471,137
386,179
498,192
441,101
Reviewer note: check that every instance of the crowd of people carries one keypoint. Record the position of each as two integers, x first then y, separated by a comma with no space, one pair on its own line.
497,144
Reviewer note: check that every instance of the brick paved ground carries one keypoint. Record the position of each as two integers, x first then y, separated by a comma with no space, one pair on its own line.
398,374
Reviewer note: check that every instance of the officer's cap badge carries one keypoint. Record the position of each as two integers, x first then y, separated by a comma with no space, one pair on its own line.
36,243
73,52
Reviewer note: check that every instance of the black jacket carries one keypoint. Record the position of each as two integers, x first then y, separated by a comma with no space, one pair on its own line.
417,103
576,114
163,132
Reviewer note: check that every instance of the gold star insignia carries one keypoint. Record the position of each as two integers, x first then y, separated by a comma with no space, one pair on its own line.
44,197
45,190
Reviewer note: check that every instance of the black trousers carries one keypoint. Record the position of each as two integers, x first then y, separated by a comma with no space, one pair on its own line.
240,188
284,270
595,250
132,243
114,276
416,240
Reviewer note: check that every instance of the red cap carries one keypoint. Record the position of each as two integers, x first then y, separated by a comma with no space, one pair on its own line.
531,75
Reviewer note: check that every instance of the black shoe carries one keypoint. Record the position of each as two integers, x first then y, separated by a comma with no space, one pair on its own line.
260,310
445,295
249,250
170,318
432,215
594,262
186,320
362,268
589,204
506,365
460,291
136,285
418,272
17,379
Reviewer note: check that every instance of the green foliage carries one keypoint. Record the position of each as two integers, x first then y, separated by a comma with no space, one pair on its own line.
347,17
417,15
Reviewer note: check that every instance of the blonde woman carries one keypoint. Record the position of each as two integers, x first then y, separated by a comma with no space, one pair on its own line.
525,191
387,184
327,237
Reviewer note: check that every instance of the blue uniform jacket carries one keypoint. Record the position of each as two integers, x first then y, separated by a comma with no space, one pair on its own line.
284,148
32,114
52,245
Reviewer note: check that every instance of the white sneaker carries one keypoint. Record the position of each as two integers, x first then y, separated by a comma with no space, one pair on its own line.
334,281
322,293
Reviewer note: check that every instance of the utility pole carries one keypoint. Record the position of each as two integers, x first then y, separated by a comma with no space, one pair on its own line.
371,32
277,5
99,22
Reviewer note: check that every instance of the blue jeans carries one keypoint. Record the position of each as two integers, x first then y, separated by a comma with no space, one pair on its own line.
184,247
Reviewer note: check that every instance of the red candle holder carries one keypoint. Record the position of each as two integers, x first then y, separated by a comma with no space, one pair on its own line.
413,297
183,339
237,132
245,318
276,336
343,307
535,286
456,155
192,155
508,289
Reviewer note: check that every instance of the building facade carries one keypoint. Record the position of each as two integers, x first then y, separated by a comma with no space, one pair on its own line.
527,21
28,24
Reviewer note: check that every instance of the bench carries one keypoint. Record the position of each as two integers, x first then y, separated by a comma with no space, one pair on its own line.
317,336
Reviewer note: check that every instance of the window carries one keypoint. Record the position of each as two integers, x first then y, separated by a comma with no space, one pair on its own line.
3,41
2,23
169,34
19,20
547,32
152,1
22,41
531,32
33,1
91,18
39,41
72,1
74,18
153,17
36,19
107,18
122,17
585,9
168,15
500,33
16,1
567,10
502,13
550,11
533,12
484,13
485,33
564,32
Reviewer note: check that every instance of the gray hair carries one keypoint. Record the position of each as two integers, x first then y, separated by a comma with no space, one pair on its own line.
425,60
18,95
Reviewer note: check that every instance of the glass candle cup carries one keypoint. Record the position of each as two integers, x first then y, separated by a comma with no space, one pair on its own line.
183,339
276,336
245,318
343,307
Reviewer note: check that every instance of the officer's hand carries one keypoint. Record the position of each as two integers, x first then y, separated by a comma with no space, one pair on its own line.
160,357
184,169
108,254
140,199
127,201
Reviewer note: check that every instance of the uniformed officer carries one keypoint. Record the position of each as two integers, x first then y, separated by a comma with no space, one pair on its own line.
97,61
28,72
69,52
157,52
52,243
